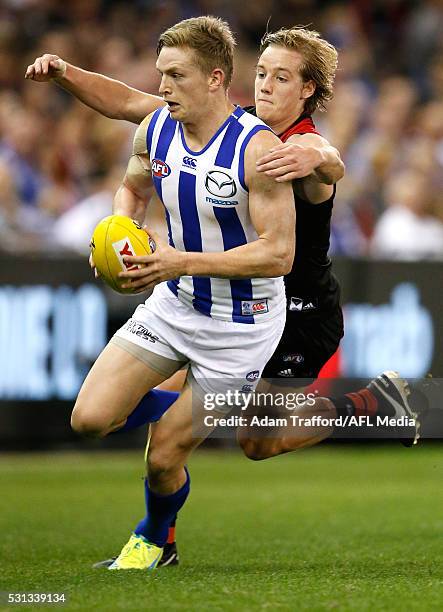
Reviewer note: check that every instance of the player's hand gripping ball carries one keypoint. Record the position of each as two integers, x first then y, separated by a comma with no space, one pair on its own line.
114,237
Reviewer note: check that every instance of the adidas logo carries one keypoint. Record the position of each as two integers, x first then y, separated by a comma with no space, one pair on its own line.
285,373
299,304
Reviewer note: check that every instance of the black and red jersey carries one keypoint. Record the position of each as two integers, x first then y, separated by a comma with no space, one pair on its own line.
311,279
303,125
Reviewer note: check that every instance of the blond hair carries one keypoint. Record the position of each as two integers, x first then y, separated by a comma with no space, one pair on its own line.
319,61
211,40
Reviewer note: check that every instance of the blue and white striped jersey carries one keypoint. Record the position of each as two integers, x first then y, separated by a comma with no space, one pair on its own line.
206,204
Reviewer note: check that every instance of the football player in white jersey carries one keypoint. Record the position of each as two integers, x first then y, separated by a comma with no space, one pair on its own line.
189,321
306,158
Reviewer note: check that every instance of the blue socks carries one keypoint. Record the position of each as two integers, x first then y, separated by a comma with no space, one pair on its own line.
150,408
161,511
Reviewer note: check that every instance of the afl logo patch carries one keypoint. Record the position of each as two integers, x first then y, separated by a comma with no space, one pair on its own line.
254,375
220,184
293,357
160,169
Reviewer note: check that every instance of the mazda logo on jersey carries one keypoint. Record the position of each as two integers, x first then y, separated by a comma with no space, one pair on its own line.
220,184
160,169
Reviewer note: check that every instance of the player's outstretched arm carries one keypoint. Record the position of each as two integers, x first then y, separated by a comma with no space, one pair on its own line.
272,211
109,97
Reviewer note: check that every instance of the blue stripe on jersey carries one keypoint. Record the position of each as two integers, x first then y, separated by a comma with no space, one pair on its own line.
234,236
161,150
226,151
150,130
168,223
238,112
241,161
165,138
164,142
192,238
173,285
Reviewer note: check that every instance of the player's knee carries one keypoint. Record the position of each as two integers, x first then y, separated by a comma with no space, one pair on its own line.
325,408
87,423
253,449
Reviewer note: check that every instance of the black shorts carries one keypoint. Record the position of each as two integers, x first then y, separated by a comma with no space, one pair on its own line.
309,339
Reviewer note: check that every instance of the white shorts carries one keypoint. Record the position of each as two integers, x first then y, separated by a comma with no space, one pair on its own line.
222,355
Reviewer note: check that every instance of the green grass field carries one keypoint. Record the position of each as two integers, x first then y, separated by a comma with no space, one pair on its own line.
332,528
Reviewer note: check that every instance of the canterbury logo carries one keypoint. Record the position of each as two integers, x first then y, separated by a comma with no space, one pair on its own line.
190,162
220,184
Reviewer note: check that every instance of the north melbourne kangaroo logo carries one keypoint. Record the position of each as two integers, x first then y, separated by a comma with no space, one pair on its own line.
220,184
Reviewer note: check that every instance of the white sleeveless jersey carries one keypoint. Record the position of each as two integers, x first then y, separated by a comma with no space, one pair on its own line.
206,204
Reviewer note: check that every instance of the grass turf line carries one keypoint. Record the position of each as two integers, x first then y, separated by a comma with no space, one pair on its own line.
332,528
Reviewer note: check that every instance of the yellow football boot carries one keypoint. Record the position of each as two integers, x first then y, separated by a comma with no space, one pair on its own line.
138,553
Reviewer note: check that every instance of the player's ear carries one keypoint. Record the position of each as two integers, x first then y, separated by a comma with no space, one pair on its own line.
307,89
216,79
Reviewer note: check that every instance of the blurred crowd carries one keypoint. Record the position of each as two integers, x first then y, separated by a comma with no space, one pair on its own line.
60,162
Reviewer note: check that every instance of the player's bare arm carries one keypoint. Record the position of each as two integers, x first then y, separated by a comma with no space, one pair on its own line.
133,194
108,96
272,210
136,188
309,157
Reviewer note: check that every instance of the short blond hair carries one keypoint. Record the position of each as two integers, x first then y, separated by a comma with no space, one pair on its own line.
319,60
211,40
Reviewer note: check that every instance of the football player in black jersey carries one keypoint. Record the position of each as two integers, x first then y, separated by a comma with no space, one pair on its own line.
294,77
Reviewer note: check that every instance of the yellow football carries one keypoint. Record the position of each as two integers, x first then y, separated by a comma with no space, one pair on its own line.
114,237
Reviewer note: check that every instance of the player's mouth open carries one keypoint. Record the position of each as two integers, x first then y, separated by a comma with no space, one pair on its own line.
172,105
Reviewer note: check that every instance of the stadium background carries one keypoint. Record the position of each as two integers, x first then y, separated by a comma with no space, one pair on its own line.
60,164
